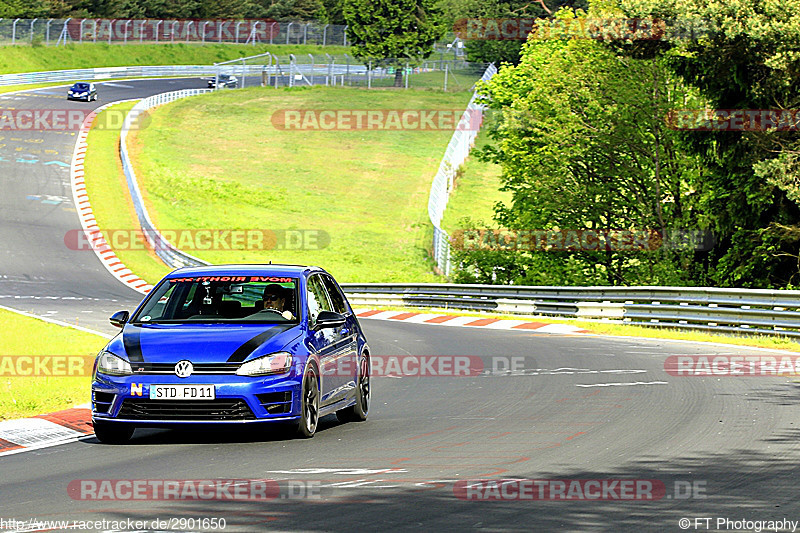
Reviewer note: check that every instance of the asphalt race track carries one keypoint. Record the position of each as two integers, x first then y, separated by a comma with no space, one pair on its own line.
577,408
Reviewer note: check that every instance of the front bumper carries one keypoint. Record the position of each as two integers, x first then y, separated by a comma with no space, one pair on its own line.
238,400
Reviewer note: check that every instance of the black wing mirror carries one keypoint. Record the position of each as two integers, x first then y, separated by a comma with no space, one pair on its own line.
119,318
329,319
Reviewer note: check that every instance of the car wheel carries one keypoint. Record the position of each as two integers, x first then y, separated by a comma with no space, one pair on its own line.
110,433
359,411
309,403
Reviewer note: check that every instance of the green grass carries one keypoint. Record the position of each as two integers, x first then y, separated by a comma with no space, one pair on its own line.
27,396
14,59
475,193
368,190
108,193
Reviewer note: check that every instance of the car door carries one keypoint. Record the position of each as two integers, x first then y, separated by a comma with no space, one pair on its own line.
325,342
347,334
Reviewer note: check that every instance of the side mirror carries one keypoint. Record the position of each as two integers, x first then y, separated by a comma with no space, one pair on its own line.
329,319
119,318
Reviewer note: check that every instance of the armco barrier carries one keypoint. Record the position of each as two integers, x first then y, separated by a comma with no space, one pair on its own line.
768,312
168,253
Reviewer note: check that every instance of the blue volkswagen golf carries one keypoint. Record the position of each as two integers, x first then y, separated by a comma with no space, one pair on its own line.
233,344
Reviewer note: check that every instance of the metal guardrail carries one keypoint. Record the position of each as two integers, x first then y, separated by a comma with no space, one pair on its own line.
333,70
163,248
759,311
454,156
106,73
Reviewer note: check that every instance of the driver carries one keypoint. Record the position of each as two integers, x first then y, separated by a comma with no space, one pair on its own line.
275,297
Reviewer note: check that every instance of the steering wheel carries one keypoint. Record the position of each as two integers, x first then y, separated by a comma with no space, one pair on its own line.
270,310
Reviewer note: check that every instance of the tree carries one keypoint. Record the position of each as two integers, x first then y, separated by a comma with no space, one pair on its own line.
393,32
580,135
749,58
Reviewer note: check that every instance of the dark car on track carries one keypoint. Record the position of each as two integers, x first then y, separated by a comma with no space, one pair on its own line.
82,91
233,344
223,81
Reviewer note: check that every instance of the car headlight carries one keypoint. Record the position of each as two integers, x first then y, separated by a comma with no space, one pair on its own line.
276,363
110,364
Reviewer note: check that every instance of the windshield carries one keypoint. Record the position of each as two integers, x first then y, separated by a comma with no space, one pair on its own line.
228,299
81,86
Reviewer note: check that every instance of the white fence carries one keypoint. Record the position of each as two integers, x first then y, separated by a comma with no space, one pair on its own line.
455,154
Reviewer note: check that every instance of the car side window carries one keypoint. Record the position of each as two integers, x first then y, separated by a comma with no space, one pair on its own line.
337,298
317,299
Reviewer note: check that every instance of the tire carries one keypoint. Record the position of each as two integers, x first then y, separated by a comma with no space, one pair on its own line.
110,433
359,411
309,403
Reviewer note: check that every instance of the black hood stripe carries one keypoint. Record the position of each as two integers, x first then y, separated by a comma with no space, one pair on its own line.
250,346
131,339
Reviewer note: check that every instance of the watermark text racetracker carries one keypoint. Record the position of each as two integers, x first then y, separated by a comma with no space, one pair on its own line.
554,240
607,29
733,365
65,119
377,119
46,365
198,239
577,489
191,489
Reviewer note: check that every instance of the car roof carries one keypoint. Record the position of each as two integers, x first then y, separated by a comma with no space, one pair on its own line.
245,270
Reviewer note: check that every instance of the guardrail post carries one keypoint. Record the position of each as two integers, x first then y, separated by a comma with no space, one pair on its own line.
172,31
80,31
271,32
331,61
141,31
369,75
47,32
292,64
238,24
204,30
305,32
244,72
288,31
110,29
344,38
158,29
312,68
219,32
188,26
325,34
94,31
125,32
14,31
32,23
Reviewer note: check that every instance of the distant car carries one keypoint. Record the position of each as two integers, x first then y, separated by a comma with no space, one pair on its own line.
233,344
223,81
82,91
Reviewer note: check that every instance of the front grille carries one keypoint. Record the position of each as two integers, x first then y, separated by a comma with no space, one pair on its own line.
102,401
199,368
203,410
276,402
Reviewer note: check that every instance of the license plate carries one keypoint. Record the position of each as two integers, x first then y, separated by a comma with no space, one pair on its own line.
182,392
